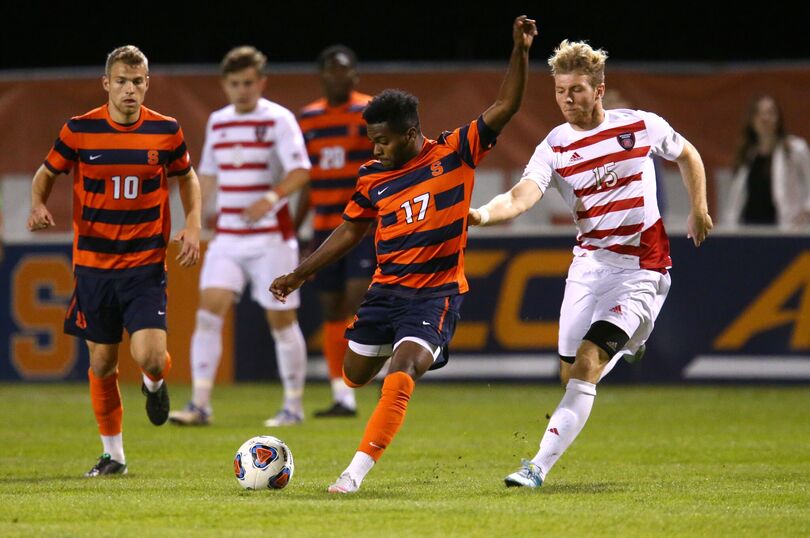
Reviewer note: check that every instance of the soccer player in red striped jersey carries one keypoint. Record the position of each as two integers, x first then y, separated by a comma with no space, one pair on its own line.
122,155
418,191
335,132
253,156
601,163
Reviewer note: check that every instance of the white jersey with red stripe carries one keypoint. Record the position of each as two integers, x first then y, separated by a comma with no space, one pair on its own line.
249,153
606,176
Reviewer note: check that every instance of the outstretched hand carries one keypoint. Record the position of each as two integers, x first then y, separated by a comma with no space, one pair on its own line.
523,31
285,285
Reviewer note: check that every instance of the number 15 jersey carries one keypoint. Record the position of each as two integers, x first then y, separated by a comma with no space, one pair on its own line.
607,178
421,211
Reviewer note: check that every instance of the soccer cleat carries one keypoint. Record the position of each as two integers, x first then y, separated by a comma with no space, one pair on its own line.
106,466
157,404
527,476
191,415
344,484
337,410
637,356
284,417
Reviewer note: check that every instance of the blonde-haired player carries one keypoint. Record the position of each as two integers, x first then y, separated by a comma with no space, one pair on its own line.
600,162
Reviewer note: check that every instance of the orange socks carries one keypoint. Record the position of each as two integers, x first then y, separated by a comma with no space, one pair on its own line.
389,414
334,347
106,400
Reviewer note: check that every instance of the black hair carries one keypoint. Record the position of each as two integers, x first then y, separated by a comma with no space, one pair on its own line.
396,107
330,52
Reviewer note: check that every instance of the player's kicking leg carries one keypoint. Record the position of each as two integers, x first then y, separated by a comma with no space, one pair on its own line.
105,398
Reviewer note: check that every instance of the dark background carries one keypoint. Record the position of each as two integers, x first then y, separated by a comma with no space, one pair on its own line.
38,34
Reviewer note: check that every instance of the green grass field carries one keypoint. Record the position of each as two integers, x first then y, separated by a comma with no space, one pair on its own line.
652,461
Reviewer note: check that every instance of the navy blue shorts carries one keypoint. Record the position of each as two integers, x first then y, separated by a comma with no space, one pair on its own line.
360,262
101,307
387,319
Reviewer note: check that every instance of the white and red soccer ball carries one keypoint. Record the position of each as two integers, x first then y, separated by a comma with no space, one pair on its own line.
263,462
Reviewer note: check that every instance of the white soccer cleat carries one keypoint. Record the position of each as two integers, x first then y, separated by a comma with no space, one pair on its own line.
528,476
344,484
191,415
284,417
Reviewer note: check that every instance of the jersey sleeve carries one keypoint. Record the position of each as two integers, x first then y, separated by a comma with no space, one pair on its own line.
664,140
208,162
540,166
179,162
472,141
291,149
64,153
360,206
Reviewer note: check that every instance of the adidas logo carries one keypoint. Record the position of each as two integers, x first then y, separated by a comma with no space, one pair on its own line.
575,157
554,431
617,309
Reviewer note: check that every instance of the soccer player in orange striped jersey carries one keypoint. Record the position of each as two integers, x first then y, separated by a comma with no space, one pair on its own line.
418,191
122,155
337,143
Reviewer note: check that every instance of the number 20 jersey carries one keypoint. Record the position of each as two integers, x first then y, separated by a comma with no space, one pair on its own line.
121,220
421,212
607,178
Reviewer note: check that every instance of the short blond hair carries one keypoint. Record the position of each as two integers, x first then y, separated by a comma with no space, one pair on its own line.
579,57
129,55
240,58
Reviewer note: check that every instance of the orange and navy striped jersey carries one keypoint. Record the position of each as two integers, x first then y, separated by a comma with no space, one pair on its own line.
421,213
338,145
121,220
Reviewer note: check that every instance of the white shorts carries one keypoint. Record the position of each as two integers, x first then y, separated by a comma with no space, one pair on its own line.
230,263
628,298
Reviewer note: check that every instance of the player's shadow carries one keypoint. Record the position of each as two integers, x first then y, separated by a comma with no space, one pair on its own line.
592,488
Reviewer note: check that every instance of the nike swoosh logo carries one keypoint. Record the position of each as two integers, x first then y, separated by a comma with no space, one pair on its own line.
375,445
382,190
425,323
94,157
161,313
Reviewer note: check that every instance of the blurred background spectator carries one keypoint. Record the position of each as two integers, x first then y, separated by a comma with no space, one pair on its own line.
771,184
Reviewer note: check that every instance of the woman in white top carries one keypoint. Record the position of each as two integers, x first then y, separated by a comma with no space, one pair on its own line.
771,184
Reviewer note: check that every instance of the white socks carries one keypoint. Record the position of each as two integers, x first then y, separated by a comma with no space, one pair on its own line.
565,424
291,354
609,366
114,446
359,467
151,386
343,394
206,352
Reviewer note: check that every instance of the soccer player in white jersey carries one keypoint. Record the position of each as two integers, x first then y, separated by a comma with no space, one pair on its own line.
600,162
255,155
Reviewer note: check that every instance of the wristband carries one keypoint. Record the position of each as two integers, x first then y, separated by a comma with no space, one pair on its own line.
272,197
483,214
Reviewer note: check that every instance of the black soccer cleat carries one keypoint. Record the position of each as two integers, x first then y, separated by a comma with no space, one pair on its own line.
106,466
337,410
157,404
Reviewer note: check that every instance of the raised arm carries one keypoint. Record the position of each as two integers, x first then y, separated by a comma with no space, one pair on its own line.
40,218
189,236
506,206
341,241
511,93
694,178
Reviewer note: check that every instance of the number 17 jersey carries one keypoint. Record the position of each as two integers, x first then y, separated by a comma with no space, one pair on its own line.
421,211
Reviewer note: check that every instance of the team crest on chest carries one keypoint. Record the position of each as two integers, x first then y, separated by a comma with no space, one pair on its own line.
261,132
627,140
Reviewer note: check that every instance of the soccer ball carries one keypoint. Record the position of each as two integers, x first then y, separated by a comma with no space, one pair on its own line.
263,462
